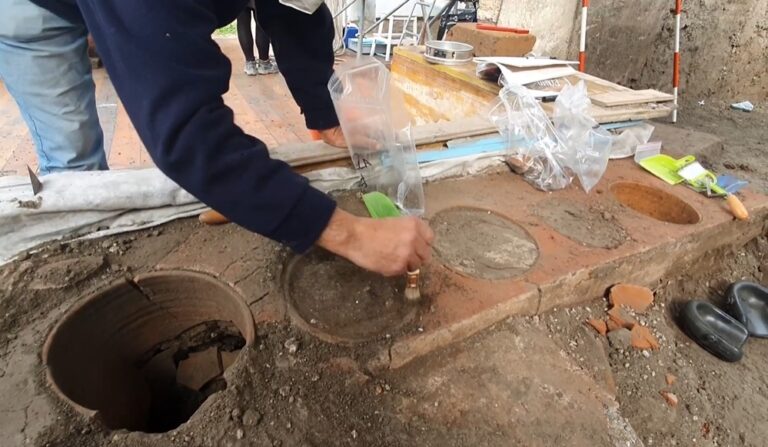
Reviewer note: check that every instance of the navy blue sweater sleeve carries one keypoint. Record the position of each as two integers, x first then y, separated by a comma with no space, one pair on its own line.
170,76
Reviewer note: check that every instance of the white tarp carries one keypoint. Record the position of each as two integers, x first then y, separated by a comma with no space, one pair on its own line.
95,204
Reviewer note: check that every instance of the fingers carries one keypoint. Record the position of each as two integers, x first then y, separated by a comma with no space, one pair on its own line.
426,232
414,263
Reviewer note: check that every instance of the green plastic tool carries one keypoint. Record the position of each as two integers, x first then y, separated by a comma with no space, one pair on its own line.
666,167
380,206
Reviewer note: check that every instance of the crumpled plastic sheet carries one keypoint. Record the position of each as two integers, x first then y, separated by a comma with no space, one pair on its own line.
550,153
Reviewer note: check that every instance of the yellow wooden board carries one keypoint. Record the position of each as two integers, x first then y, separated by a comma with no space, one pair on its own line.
441,92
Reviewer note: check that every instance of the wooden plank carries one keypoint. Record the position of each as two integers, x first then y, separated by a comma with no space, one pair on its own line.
316,152
623,98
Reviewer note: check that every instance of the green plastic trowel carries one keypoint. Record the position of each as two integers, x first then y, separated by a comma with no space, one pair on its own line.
380,206
666,167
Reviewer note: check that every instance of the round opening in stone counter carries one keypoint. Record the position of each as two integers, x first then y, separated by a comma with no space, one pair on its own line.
338,302
590,225
482,244
655,203
144,355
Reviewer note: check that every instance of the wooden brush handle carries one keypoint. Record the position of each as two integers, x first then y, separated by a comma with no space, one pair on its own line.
212,217
737,208
413,279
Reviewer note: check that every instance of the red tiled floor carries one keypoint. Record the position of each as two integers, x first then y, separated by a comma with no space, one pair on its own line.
263,107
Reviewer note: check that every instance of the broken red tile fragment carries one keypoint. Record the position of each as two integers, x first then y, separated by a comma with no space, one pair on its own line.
637,298
671,399
598,325
612,326
642,338
670,378
619,316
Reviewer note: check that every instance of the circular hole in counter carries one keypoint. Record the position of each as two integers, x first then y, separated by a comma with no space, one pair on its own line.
655,203
144,355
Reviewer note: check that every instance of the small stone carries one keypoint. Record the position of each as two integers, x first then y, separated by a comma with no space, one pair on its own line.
354,434
670,378
620,338
292,345
291,399
285,390
671,399
315,377
626,365
235,413
646,353
85,430
378,390
240,433
251,417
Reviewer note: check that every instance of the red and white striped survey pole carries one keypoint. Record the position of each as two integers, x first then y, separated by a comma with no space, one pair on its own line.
583,39
676,61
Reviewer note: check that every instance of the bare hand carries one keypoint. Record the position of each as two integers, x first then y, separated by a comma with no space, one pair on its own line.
333,136
386,246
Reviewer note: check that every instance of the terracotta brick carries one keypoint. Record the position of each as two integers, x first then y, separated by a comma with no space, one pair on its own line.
598,325
670,378
634,297
492,43
620,316
642,338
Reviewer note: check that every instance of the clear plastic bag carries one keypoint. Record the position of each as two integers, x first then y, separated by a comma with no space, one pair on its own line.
384,156
626,140
589,146
535,150
549,155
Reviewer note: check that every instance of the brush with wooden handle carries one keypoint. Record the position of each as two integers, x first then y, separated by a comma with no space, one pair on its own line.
704,181
412,288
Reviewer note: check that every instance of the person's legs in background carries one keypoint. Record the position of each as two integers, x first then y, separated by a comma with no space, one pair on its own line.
45,67
265,65
245,37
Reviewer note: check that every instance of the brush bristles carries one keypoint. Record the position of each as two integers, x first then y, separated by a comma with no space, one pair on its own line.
412,293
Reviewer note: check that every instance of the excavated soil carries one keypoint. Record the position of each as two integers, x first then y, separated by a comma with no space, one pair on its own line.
334,299
482,244
593,226
544,380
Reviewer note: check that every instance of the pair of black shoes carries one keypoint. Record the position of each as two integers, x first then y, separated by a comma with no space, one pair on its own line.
723,333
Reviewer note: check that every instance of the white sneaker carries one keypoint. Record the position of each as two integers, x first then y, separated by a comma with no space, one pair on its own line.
251,68
266,67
